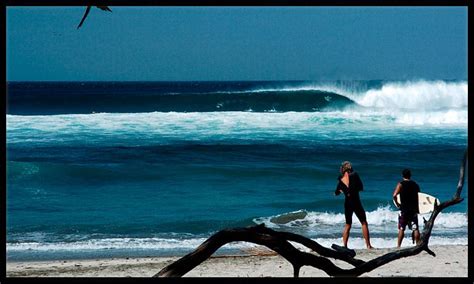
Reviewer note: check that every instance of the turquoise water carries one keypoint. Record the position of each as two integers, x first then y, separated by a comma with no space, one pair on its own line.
141,169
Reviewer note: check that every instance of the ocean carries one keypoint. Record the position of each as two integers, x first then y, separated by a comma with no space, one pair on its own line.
133,169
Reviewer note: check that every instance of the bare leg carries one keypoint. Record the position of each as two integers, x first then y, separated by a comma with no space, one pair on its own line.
345,234
417,236
401,234
365,233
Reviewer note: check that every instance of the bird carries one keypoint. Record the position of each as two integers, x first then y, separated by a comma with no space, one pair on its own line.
103,8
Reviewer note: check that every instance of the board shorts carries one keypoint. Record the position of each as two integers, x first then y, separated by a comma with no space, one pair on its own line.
408,219
349,209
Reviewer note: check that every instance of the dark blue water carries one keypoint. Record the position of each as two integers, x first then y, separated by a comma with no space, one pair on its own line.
134,169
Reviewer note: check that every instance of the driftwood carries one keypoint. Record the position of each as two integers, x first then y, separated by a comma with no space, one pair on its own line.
280,243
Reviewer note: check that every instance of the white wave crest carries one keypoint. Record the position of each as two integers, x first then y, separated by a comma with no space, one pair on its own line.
418,96
408,103
382,112
414,95
382,216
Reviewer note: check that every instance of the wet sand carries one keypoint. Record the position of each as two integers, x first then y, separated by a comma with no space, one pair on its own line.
450,261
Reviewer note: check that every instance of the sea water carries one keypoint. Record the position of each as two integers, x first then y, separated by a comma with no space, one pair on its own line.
124,169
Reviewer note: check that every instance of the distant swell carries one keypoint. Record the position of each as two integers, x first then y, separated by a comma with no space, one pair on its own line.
23,103
408,103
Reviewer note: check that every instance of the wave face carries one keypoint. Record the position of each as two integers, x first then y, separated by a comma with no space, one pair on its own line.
78,99
159,113
84,98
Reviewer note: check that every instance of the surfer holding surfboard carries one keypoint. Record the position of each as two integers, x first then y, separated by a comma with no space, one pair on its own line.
405,197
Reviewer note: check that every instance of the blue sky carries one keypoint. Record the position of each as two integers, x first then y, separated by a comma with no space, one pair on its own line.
236,43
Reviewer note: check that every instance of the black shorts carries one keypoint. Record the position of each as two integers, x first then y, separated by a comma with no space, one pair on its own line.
357,209
410,219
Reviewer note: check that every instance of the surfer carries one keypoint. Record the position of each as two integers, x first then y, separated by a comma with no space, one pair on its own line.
408,205
350,184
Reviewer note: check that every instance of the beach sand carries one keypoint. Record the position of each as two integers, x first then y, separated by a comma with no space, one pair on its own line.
450,261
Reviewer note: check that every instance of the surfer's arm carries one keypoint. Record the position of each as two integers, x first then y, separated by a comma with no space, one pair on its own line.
360,185
395,192
338,190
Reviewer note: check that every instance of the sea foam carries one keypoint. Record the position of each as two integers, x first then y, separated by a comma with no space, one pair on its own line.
382,216
152,244
223,125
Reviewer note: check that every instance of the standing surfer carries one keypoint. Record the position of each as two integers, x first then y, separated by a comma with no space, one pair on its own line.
350,184
408,205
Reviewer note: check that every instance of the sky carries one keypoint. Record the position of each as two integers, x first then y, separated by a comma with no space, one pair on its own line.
236,43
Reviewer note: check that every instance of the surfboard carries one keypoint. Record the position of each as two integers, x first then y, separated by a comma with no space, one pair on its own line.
425,202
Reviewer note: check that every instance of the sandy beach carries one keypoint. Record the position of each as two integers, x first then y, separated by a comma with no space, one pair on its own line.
450,261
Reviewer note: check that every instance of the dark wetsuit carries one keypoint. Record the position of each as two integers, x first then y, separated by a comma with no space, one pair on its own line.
352,203
409,204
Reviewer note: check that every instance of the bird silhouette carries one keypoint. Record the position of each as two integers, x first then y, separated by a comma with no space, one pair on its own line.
103,8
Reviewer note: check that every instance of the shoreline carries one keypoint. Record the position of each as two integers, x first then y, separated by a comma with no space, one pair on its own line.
450,261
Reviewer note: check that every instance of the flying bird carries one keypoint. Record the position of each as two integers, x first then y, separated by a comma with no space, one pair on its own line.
103,8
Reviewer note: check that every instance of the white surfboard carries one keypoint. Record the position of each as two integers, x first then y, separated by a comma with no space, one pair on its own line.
425,202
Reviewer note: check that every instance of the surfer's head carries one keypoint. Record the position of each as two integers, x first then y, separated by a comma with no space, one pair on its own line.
346,166
406,173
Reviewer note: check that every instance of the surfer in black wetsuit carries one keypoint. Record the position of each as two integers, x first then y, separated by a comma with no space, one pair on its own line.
408,190
350,184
